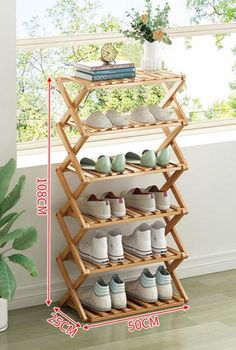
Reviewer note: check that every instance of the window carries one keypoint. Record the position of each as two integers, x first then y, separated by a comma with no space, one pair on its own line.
210,92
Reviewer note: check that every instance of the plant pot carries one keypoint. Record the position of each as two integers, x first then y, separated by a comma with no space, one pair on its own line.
150,60
3,314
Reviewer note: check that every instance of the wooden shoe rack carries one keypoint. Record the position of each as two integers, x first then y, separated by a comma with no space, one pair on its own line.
71,120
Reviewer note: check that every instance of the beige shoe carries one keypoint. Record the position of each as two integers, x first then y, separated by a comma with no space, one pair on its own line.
96,298
144,288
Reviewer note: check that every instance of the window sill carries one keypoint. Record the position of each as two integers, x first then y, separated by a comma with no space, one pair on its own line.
193,135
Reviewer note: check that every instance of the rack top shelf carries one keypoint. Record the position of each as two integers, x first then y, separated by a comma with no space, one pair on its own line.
142,78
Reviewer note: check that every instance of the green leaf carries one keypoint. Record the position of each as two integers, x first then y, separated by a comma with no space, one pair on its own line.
16,234
7,280
25,262
7,228
27,240
13,196
6,219
6,174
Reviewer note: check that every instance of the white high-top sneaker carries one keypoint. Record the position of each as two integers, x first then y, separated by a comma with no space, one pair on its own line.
144,288
162,198
139,199
117,204
95,250
158,238
115,247
96,298
99,208
117,290
164,286
139,242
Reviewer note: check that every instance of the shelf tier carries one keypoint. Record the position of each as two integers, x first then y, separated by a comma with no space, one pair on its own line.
130,127
130,170
142,78
132,215
134,307
131,261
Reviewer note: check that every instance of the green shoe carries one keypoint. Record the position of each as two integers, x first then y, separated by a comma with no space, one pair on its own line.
103,165
163,157
148,159
118,163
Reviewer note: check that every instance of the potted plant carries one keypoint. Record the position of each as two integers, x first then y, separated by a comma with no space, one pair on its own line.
12,239
150,29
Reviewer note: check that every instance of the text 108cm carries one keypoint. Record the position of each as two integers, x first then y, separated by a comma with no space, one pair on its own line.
41,196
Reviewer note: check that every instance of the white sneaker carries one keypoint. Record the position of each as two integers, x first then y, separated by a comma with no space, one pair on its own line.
144,288
99,208
136,198
117,204
96,298
98,120
142,115
162,198
164,286
158,238
95,250
117,291
139,242
115,247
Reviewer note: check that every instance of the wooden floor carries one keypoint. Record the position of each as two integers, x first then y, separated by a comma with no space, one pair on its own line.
210,324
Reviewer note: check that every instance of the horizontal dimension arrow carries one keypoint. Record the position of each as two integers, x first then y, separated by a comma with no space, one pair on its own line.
103,324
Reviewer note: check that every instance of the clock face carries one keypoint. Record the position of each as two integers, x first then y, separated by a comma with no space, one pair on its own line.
108,53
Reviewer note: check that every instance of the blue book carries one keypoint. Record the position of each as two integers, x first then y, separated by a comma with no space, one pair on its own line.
99,77
108,71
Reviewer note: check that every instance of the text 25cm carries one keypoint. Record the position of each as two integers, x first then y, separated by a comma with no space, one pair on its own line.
63,325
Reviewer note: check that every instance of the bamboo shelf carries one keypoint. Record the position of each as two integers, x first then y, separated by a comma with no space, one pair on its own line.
71,164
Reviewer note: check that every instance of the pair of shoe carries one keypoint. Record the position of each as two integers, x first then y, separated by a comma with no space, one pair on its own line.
106,121
147,200
103,296
105,164
108,204
150,114
103,247
146,240
103,207
149,158
149,287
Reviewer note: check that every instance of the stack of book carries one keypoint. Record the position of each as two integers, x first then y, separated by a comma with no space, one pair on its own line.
96,70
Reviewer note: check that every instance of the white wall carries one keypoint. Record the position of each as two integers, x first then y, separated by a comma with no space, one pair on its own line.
8,79
208,231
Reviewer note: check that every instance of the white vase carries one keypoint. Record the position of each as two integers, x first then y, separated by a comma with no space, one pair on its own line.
3,315
150,60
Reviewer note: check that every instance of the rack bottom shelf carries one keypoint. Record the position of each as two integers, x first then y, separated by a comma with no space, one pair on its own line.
134,307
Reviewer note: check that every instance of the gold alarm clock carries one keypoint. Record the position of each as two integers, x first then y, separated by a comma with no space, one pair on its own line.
108,53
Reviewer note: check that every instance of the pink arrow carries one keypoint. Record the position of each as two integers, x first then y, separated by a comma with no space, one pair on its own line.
96,325
58,311
48,301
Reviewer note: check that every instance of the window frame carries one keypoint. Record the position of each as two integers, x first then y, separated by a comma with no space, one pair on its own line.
100,38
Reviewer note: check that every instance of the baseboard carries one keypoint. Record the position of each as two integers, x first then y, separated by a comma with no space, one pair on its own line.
200,265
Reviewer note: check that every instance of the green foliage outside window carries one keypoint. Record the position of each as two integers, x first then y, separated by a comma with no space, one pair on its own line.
69,17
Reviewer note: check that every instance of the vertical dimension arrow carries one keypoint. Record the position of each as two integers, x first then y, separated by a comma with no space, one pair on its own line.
48,301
